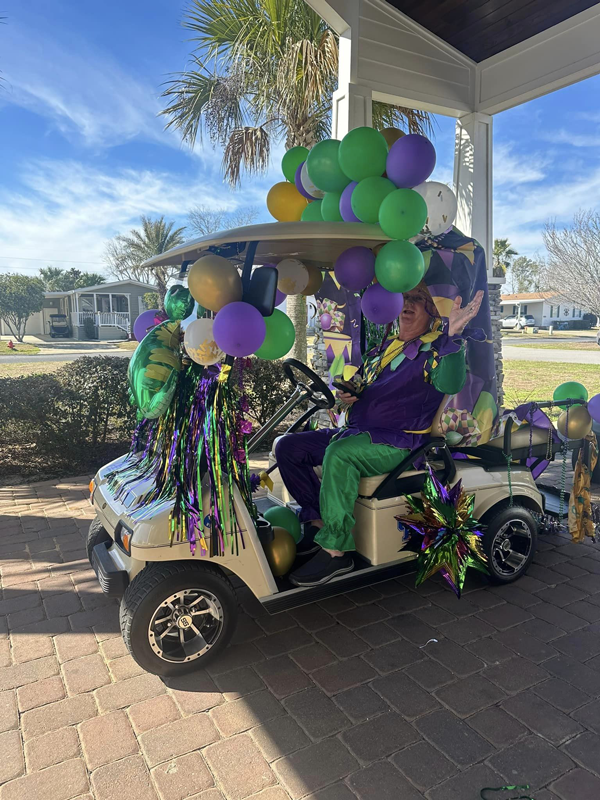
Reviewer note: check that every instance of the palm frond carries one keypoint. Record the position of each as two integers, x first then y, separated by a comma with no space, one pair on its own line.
407,119
248,148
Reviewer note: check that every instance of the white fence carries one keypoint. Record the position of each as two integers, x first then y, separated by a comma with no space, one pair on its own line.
102,319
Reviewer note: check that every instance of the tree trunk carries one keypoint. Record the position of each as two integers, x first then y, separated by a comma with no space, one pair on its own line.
296,309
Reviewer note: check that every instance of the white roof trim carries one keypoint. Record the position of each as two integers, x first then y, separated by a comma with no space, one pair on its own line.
101,287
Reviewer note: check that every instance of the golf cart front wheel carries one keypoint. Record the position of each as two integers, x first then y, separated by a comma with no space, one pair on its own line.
176,617
509,542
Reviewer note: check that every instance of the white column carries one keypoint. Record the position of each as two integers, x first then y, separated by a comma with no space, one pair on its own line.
473,181
352,103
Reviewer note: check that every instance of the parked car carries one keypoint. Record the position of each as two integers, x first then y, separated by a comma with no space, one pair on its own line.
513,322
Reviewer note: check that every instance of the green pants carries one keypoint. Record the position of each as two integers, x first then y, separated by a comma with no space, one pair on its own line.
345,462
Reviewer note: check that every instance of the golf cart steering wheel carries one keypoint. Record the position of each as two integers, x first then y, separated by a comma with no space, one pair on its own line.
317,390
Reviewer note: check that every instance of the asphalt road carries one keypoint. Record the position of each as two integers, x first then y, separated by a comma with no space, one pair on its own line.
559,356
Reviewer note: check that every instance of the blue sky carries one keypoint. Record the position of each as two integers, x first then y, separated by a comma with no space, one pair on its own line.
83,153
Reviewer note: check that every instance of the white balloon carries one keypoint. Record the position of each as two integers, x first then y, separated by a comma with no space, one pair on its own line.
293,276
199,342
308,185
441,206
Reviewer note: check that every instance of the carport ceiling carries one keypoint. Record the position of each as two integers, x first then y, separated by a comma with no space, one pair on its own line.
483,28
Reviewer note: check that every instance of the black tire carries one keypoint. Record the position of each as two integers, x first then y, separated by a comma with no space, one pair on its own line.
143,599
509,562
96,535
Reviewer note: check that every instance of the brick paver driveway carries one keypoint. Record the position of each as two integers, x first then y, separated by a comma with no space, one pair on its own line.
342,699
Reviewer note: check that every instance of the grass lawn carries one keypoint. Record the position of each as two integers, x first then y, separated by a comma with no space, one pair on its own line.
550,345
534,380
18,369
127,345
20,349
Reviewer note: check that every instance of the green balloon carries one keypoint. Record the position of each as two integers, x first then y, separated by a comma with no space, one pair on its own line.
570,390
363,153
283,517
312,212
399,266
402,214
367,197
324,168
279,338
153,370
179,303
291,161
330,207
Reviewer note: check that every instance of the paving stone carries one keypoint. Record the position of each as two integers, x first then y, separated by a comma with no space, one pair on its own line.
581,645
559,617
113,648
129,692
316,713
403,603
272,793
561,595
342,642
239,767
361,703
62,605
368,594
313,657
26,617
382,781
177,738
279,737
240,715
40,693
394,656
30,648
460,608
335,605
153,713
589,716
284,642
543,718
403,694
413,629
234,657
337,791
542,630
9,715
378,634
379,737
497,726
60,782
359,616
58,715
85,674
569,569
505,616
516,674
585,749
586,583
429,674
182,777
587,611
546,576
423,765
531,760
515,595
526,646
238,683
391,588
312,617
454,738
455,658
434,616
276,622
107,738
194,692
466,785
123,668
11,763
52,748
467,629
343,675
282,676
549,558
562,695
75,644
573,672
126,778
469,695
490,651
577,785
314,767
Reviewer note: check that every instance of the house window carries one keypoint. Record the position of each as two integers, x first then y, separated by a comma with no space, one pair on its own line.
558,311
523,309
515,309
120,303
579,313
551,311
103,303
86,302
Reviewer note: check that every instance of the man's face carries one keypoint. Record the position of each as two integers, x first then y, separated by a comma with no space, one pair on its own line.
414,319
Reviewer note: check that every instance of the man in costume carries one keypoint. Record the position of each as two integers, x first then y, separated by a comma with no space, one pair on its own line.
401,385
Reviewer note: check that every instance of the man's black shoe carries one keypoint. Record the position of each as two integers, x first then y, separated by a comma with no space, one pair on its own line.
322,568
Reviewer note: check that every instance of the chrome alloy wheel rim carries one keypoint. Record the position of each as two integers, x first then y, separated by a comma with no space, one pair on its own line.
186,625
511,547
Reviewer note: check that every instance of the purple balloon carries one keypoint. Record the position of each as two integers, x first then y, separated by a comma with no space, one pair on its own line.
239,329
298,182
279,297
145,322
355,268
410,161
325,320
593,407
380,306
345,207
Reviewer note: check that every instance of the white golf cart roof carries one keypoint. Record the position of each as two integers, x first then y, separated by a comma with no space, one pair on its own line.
318,243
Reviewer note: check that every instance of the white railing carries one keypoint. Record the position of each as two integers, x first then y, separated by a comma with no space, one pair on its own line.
102,319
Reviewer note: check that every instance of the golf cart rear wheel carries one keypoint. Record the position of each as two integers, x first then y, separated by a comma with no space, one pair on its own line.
175,618
96,535
509,542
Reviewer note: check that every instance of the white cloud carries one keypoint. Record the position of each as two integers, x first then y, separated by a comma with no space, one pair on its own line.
574,139
512,169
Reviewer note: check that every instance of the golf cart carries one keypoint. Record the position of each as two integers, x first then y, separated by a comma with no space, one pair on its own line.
59,325
179,609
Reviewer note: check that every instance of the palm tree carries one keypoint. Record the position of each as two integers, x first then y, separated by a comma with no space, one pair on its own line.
263,71
503,256
125,254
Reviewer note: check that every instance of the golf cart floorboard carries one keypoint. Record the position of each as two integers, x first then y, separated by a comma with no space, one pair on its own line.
363,576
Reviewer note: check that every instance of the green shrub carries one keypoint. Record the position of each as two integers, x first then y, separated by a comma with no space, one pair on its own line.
266,387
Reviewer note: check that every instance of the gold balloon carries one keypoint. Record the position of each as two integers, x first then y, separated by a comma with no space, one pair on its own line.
392,135
293,276
214,282
281,552
580,423
315,279
285,202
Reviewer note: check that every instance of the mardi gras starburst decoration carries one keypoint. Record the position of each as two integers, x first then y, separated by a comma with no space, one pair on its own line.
451,535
